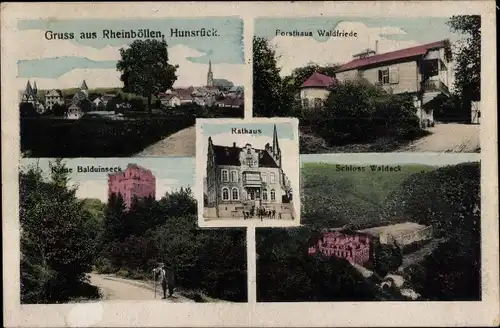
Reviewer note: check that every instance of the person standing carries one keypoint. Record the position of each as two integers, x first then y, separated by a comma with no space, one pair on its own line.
161,276
170,279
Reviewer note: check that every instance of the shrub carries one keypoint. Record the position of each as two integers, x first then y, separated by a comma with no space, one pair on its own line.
358,112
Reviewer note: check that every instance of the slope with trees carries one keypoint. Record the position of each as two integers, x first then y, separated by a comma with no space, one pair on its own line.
58,239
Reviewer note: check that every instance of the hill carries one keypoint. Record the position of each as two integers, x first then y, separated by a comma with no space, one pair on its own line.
334,195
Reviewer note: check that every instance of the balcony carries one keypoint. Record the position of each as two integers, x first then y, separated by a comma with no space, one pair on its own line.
435,86
252,179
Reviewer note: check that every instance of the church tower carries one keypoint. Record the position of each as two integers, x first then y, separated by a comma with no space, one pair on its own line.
35,90
276,146
84,87
210,75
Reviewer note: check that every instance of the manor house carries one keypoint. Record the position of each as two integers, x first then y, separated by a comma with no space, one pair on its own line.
242,177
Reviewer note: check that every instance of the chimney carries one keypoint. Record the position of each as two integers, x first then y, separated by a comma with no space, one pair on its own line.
234,144
376,47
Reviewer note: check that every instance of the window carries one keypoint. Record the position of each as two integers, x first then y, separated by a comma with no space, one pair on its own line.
225,194
235,194
264,177
234,176
264,194
305,102
318,102
393,75
225,175
273,178
383,76
273,195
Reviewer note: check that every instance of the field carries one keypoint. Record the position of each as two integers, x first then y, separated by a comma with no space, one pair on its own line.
50,137
331,198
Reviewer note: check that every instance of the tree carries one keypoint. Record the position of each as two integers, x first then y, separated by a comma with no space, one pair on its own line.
268,99
59,110
145,69
27,110
57,244
468,56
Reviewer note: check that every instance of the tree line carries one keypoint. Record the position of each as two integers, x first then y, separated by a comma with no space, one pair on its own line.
63,238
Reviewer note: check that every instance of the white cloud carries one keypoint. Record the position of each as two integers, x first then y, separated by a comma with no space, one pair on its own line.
35,46
95,78
299,51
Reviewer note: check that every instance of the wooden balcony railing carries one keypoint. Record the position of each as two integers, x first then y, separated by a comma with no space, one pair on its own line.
434,85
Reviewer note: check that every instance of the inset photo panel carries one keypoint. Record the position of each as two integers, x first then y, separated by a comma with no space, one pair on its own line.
247,172
370,85
122,230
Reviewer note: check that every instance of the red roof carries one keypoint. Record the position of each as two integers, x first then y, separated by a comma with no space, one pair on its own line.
317,80
393,55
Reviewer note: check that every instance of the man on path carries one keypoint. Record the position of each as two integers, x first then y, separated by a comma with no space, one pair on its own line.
161,276
170,279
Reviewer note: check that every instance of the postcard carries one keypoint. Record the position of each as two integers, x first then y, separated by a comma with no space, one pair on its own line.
250,164
247,172
372,84
87,88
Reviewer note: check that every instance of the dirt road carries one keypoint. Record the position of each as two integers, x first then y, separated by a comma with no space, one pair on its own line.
182,144
114,288
451,137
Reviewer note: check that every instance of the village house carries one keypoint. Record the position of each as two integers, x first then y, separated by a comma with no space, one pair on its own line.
75,111
315,90
239,178
422,71
230,103
170,100
30,96
53,97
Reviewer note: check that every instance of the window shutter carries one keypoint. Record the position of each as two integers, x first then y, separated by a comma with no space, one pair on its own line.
393,75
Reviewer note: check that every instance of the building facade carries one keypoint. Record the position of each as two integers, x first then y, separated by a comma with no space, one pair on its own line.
315,90
53,97
355,248
30,96
134,181
238,178
422,71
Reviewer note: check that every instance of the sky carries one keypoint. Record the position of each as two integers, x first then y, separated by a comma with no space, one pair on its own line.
287,133
391,33
65,63
171,173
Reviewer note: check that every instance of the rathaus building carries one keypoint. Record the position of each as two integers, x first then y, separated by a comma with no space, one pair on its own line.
239,178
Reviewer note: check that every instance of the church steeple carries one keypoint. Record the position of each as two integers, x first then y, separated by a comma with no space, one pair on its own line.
35,89
84,86
276,146
29,90
210,75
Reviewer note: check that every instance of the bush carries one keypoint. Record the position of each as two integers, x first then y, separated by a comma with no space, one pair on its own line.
310,144
358,112
123,273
